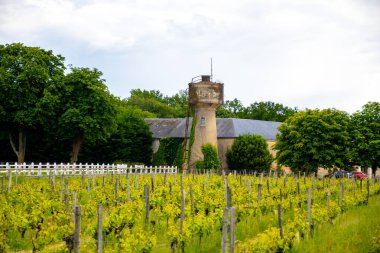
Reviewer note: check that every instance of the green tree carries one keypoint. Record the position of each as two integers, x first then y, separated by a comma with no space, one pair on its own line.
153,101
29,77
367,136
269,111
314,138
89,111
180,102
131,142
249,152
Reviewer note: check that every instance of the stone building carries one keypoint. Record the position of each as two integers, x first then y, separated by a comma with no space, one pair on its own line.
228,130
204,97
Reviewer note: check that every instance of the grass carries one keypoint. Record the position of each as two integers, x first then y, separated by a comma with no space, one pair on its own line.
356,230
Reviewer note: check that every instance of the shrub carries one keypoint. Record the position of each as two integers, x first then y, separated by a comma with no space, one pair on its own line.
211,160
249,152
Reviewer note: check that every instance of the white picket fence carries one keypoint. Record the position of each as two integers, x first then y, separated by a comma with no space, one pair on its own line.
47,169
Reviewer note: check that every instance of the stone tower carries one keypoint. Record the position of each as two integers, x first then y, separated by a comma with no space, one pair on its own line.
204,97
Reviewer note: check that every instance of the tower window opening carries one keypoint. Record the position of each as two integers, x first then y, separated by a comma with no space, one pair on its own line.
203,122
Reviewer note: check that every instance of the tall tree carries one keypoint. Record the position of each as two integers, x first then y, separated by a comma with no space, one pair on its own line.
179,102
153,101
89,110
232,109
367,135
269,111
130,142
28,78
314,138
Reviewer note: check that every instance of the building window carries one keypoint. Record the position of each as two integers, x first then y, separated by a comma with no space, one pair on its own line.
203,122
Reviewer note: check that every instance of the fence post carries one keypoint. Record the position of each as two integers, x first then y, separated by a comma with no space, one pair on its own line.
100,229
341,193
78,214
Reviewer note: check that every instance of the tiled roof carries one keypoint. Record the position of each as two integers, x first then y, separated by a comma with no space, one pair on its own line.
226,128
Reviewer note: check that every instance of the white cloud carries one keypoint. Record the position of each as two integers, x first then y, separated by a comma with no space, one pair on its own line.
311,53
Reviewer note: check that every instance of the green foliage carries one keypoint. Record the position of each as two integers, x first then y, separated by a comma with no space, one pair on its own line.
210,158
269,111
131,142
169,152
154,102
29,77
249,152
159,156
36,215
191,137
314,138
89,111
366,135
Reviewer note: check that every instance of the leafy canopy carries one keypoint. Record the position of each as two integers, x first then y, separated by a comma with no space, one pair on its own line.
367,135
28,77
249,152
268,111
314,138
89,110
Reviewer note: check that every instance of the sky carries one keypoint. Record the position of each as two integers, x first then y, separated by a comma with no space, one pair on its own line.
299,53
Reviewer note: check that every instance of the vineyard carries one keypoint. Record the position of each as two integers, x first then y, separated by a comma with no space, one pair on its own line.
171,212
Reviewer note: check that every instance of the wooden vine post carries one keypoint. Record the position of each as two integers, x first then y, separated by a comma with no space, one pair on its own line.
280,221
259,192
309,210
77,226
225,230
232,229
100,230
147,207
182,219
